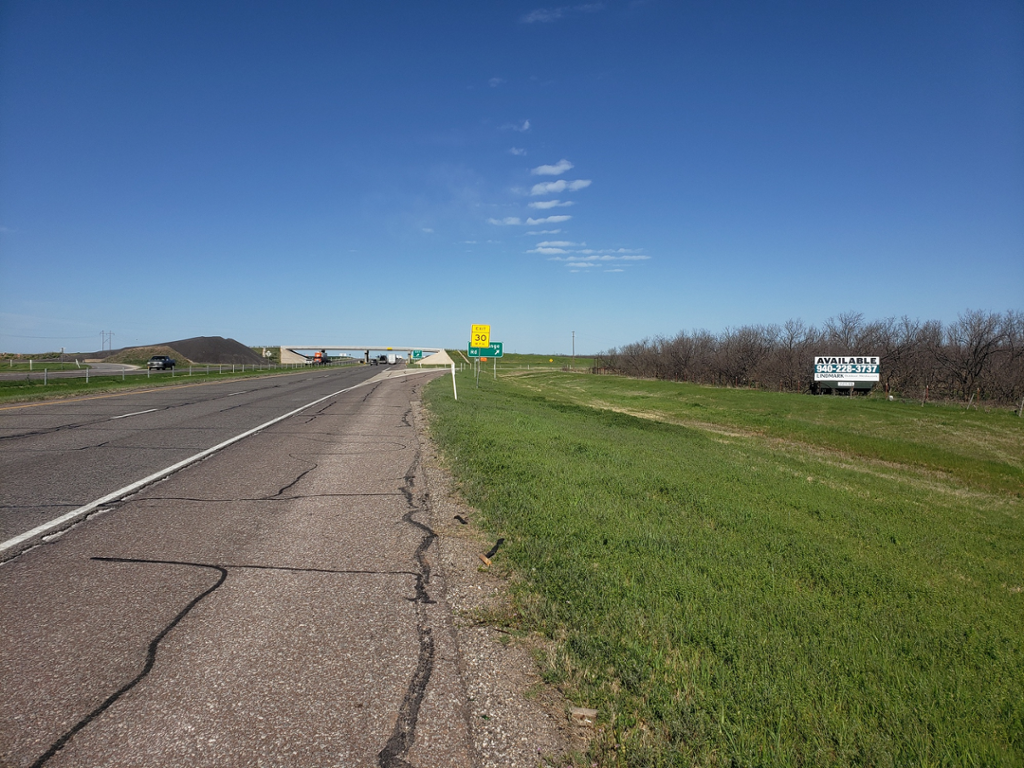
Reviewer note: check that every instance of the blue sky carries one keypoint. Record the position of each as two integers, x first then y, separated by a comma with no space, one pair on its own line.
392,172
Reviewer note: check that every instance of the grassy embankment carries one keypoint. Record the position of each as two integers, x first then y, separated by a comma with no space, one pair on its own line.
749,578
511,361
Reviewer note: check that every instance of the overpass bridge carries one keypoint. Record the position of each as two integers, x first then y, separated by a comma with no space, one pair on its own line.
292,353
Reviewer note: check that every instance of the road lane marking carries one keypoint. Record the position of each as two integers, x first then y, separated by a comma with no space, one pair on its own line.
137,413
140,484
232,394
131,391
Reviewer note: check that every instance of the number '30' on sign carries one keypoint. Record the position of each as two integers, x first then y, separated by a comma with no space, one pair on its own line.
480,336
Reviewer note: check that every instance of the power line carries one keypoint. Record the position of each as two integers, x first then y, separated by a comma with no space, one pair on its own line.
12,336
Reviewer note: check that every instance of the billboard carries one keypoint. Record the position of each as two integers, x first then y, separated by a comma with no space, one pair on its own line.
846,369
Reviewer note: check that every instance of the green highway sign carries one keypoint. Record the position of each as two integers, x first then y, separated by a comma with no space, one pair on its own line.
417,354
492,350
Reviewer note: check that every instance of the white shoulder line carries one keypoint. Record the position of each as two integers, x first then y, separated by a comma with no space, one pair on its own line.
121,492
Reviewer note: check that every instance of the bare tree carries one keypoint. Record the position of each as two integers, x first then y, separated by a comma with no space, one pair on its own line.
901,343
981,351
791,361
679,354
843,333
970,342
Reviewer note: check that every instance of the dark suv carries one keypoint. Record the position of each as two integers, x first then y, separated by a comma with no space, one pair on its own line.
160,363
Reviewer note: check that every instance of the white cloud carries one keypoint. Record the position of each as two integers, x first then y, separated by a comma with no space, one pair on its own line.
544,232
550,204
554,187
579,264
597,258
494,82
428,230
521,127
626,251
548,220
552,170
548,15
556,244
508,220
547,187
547,251
543,15
615,270
518,151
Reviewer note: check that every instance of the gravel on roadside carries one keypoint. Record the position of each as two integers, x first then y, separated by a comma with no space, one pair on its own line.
516,720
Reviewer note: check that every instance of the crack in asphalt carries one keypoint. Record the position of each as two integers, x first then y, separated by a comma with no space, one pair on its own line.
259,498
223,570
293,482
150,656
51,430
404,734
104,444
369,392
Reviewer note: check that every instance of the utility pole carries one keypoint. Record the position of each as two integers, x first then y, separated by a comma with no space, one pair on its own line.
574,350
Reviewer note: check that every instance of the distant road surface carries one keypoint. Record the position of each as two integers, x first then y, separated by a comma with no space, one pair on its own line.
104,369
270,604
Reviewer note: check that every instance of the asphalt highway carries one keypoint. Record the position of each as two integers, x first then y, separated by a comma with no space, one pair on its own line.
121,370
59,455
271,604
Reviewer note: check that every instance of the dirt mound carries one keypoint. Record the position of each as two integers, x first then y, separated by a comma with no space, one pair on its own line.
138,355
215,350
212,350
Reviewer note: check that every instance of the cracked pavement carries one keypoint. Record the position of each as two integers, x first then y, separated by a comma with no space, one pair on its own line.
274,604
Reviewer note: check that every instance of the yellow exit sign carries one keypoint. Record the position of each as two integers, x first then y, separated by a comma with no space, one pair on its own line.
480,336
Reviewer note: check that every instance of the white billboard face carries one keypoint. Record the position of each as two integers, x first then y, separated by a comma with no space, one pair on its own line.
846,369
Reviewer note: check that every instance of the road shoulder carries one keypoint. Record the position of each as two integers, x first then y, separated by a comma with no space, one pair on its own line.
516,720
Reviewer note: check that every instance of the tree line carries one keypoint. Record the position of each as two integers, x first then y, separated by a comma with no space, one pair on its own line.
981,354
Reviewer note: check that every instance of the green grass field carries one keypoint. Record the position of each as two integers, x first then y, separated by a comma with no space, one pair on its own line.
746,578
510,361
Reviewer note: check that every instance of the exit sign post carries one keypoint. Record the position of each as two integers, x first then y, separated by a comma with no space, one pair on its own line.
480,336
